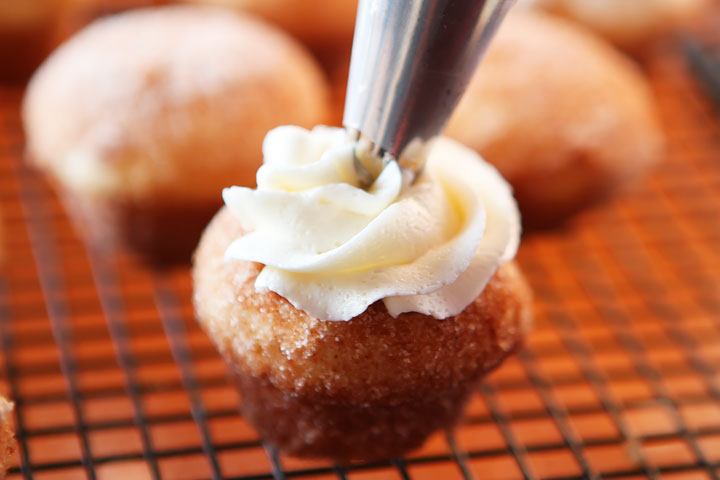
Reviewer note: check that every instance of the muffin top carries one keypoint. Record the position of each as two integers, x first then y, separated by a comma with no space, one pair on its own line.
564,116
167,103
559,89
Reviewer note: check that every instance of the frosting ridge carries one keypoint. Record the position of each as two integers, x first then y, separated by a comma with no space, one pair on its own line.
332,249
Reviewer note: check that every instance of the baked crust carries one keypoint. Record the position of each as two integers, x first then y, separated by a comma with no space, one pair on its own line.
343,431
338,376
564,117
7,439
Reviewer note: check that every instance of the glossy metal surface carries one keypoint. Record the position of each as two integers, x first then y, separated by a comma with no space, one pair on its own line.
411,62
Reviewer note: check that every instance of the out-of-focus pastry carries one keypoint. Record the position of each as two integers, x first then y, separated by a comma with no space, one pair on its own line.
564,117
322,24
338,69
630,24
358,322
7,436
144,116
27,33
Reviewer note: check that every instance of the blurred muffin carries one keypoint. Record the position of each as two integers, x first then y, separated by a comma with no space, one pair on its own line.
630,24
7,440
321,24
144,116
563,116
27,34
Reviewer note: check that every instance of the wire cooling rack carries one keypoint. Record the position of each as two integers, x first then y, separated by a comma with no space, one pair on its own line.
112,379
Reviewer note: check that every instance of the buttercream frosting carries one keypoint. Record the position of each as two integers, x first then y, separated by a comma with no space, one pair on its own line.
332,249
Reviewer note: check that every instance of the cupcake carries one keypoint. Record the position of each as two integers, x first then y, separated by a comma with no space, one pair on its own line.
632,25
563,116
142,117
358,322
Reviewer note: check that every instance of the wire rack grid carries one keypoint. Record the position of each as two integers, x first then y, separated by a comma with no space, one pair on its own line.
620,378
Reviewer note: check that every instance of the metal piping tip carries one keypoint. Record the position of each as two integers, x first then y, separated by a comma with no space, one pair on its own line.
411,62
368,158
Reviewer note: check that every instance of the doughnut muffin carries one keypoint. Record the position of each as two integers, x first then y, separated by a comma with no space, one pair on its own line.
631,25
321,24
142,117
7,440
563,116
363,325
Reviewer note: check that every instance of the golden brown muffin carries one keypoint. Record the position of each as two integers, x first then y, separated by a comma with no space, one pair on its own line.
630,24
144,116
319,23
28,30
7,440
370,388
564,117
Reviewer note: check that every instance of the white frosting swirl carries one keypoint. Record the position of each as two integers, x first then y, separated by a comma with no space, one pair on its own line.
332,249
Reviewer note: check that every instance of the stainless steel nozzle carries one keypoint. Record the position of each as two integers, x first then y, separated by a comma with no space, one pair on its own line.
411,62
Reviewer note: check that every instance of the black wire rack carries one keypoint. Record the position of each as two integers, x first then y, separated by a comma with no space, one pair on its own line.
112,378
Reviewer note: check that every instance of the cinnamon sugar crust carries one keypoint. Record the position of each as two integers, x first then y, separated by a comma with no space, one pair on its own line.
7,440
344,431
371,368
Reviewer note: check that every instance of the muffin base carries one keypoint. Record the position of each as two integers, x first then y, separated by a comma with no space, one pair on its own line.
343,432
162,233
